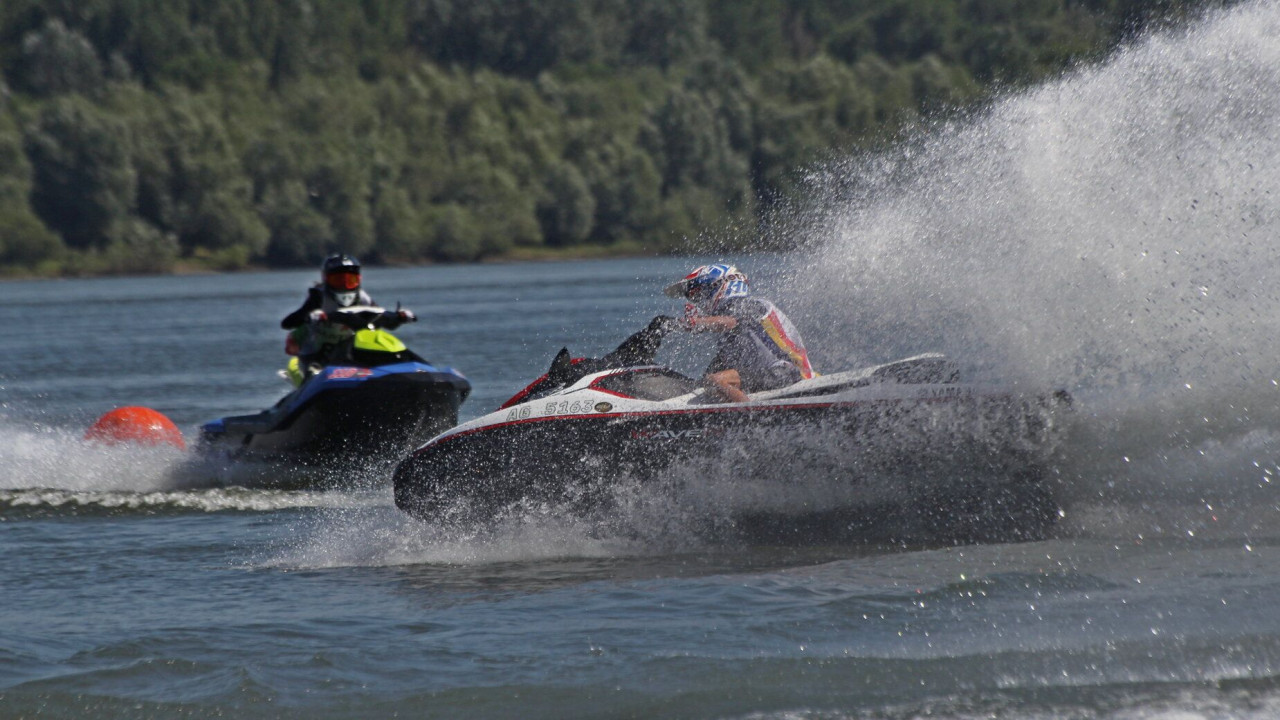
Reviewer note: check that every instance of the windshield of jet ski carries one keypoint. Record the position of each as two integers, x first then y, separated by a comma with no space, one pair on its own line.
639,349
362,316
646,384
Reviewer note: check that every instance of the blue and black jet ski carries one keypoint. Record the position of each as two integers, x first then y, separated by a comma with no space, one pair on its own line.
373,399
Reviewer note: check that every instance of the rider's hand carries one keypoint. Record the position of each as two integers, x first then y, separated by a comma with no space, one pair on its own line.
317,316
663,324
406,316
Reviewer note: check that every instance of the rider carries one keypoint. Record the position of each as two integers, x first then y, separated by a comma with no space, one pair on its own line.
312,333
759,349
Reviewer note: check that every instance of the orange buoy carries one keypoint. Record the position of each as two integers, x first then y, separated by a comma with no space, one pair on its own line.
140,425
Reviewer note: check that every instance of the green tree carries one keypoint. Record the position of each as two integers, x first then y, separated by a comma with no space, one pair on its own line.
627,188
83,177
566,213
191,183
136,133
663,32
911,29
403,234
456,234
138,247
25,241
57,60
516,37
299,234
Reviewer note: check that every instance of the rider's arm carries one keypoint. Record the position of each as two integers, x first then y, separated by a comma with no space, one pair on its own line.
731,315
301,315
711,323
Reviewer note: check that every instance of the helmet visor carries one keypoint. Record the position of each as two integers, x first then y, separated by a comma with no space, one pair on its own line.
697,292
343,280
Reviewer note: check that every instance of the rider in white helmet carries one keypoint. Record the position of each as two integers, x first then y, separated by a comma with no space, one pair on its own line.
759,349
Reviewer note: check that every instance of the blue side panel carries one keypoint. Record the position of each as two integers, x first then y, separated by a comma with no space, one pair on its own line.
347,376
332,378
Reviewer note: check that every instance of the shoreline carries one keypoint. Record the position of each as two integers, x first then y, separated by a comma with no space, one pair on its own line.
194,266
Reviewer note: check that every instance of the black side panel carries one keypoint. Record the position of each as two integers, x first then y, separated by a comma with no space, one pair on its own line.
383,416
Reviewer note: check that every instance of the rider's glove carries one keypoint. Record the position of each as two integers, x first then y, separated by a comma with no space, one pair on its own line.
318,316
406,316
663,324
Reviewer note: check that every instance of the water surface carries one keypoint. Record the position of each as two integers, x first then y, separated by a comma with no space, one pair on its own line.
1112,233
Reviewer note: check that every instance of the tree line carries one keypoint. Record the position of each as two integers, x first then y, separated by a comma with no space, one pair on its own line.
140,135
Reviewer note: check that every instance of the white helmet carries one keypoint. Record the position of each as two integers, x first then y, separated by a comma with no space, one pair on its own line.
710,285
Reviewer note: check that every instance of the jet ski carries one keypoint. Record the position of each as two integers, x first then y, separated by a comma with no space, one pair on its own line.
374,399
882,452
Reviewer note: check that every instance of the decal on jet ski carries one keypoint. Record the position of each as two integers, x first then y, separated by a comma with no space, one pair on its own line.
519,414
604,407
343,373
565,407
948,393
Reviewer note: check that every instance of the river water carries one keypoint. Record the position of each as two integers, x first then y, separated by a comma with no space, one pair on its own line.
1113,233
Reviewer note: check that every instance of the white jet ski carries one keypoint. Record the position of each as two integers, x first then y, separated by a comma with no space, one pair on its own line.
877,450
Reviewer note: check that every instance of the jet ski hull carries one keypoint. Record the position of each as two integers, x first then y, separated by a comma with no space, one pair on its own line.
892,450
346,416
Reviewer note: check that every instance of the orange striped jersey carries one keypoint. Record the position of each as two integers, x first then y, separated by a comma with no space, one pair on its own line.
764,340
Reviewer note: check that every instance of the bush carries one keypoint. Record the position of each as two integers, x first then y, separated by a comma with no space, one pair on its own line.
24,240
139,247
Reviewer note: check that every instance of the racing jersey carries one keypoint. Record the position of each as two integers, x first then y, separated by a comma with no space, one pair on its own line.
765,348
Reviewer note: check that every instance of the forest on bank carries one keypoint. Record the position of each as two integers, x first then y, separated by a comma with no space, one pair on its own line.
149,135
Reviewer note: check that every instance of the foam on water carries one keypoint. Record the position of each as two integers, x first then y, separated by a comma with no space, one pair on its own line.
385,537
49,457
51,469
200,500
1113,233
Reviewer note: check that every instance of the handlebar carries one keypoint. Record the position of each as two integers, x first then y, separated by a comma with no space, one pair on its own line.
370,317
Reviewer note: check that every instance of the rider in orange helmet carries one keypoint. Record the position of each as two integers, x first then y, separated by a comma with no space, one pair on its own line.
312,333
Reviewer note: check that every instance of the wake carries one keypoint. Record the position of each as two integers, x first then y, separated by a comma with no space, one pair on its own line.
1111,233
